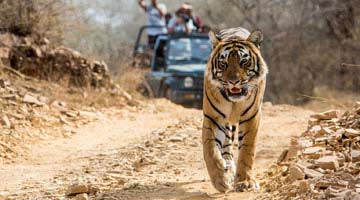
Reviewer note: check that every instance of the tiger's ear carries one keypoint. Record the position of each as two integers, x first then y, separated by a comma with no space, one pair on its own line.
214,39
256,37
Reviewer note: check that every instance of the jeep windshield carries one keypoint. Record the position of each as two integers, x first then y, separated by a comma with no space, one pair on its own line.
194,50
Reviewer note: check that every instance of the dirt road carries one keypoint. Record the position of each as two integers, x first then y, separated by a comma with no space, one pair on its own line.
151,152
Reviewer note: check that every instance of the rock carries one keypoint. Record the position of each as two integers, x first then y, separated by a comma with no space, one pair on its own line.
36,51
82,196
31,100
327,131
58,104
328,162
313,150
355,155
293,152
351,133
44,41
71,114
282,156
304,186
331,193
176,139
318,131
327,115
296,173
63,120
4,83
304,142
310,173
127,95
77,189
43,99
338,134
313,122
303,164
93,189
322,184
5,121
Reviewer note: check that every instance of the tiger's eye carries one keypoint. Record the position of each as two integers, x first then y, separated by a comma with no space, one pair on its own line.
250,73
222,63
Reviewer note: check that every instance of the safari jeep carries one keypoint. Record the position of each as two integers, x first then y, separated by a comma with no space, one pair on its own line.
177,68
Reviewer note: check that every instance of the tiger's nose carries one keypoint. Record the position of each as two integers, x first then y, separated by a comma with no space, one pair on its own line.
234,82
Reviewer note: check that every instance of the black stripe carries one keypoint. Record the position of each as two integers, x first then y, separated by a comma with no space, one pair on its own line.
241,137
217,125
214,122
252,117
227,153
218,141
251,105
222,92
227,145
213,106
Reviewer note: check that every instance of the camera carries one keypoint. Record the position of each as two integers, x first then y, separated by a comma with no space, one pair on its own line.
185,18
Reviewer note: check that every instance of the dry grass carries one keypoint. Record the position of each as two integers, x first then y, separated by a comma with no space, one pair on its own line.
130,79
326,98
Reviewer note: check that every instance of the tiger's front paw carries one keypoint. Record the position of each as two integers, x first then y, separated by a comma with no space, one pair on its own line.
222,178
222,183
248,185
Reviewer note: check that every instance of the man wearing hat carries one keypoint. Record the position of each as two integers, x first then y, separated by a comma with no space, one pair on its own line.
182,23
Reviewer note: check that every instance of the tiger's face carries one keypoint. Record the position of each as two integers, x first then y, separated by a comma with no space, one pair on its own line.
236,66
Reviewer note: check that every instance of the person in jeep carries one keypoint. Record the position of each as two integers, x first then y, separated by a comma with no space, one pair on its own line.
156,17
182,23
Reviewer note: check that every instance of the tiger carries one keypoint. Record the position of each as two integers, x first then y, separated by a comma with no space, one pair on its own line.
234,85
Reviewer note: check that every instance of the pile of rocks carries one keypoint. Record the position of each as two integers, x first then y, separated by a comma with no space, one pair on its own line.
323,163
27,114
42,60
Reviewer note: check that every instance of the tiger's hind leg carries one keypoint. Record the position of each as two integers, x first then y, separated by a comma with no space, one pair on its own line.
218,155
244,180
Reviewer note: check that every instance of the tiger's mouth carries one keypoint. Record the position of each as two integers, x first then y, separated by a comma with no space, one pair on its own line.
237,92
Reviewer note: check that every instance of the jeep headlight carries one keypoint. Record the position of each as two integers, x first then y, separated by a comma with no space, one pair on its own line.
188,82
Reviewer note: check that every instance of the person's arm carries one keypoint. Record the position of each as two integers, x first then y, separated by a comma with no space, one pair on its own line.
161,9
142,4
172,28
188,29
